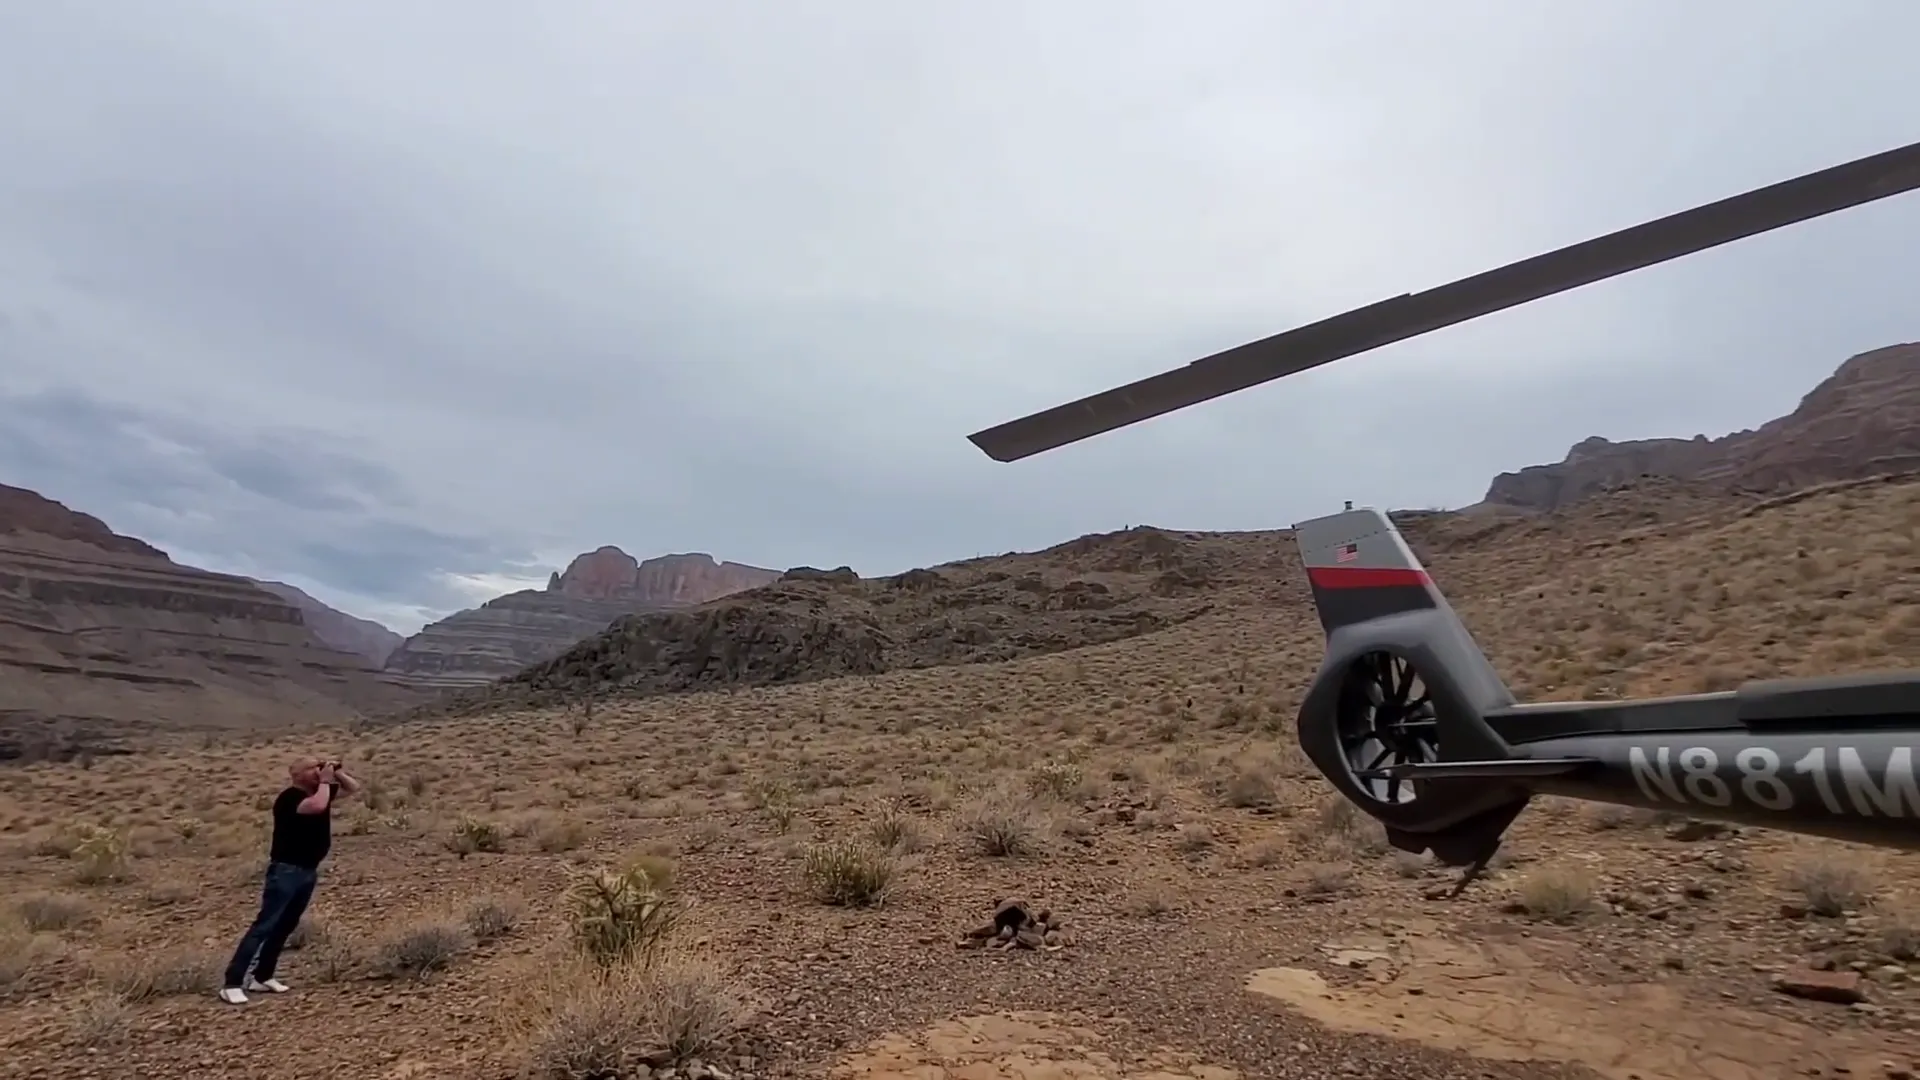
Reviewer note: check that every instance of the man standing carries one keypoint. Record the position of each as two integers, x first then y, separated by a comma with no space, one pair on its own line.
302,836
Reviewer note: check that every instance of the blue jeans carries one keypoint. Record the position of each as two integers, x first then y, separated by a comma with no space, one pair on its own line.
283,900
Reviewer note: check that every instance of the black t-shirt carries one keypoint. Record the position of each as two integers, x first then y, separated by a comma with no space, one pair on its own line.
301,839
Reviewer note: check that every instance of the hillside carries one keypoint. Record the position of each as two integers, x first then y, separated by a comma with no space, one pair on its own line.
1862,420
815,624
104,636
508,633
337,629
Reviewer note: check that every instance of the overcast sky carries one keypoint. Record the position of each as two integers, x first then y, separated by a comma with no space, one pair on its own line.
407,302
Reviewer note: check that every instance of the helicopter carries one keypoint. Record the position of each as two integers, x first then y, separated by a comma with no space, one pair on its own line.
1406,716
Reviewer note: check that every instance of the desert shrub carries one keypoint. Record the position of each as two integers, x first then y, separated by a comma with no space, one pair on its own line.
1251,783
593,1021
1062,780
100,1019
893,828
621,915
775,799
472,834
424,950
23,952
102,855
1345,830
847,874
1831,888
1557,895
556,834
1002,824
144,976
489,919
45,911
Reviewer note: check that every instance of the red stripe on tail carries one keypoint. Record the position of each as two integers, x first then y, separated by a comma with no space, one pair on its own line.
1357,577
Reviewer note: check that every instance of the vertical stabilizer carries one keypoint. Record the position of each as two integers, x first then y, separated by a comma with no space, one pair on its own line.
1361,569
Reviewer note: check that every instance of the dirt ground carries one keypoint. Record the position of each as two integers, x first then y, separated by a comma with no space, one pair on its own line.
1215,912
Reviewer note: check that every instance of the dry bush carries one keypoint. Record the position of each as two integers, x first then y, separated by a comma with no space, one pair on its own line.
556,835
1344,830
99,1020
1900,936
590,1021
1831,888
1251,783
23,952
1063,781
1003,823
622,915
471,834
1322,880
335,960
54,911
1556,894
423,950
145,976
846,873
490,918
892,828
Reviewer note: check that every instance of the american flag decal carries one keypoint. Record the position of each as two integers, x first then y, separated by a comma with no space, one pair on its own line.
1347,553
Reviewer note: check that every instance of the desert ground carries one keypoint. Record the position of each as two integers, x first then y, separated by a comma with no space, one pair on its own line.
803,863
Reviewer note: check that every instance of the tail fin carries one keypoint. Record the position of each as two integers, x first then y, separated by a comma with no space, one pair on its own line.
1372,594
1361,569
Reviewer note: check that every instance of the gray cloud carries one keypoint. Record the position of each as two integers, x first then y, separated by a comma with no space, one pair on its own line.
360,297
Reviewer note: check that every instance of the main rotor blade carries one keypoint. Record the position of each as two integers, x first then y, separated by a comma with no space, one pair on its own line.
1411,314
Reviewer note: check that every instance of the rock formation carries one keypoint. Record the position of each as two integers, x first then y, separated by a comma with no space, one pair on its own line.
337,629
511,632
103,635
1861,421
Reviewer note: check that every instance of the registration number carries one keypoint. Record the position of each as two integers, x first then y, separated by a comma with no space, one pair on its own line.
1838,778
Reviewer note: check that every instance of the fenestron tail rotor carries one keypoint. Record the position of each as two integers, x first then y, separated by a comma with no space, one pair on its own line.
1412,314
1387,722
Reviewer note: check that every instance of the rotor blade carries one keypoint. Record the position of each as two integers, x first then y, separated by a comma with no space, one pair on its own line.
1411,314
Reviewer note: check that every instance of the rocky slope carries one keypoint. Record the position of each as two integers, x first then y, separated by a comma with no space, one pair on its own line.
816,624
511,632
1862,421
337,629
103,635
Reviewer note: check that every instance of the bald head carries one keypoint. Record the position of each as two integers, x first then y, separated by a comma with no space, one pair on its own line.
305,773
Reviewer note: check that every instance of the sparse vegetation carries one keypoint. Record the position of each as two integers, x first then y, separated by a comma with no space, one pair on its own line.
848,874
1831,888
1145,786
622,915
424,949
1557,894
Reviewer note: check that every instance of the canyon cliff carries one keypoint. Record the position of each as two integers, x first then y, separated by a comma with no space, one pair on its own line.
335,628
1862,420
103,636
512,632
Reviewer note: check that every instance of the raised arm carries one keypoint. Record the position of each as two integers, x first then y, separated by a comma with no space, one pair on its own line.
322,797
348,784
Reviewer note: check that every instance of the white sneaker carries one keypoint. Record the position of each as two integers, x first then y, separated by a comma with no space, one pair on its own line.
233,995
267,986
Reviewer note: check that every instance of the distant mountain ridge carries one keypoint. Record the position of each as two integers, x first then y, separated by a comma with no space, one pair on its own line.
512,632
104,635
1862,420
